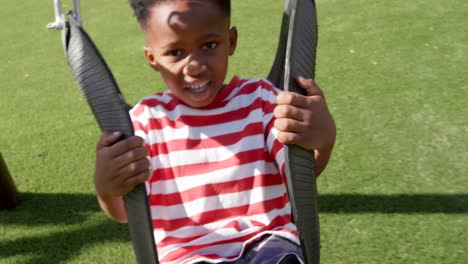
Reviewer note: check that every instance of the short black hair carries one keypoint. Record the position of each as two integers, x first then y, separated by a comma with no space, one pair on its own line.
141,8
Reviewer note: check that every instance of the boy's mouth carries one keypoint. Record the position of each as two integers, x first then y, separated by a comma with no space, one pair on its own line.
198,87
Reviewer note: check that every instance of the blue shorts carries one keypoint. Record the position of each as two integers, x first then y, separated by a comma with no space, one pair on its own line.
271,249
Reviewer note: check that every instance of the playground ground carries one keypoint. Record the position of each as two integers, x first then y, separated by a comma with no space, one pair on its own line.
395,77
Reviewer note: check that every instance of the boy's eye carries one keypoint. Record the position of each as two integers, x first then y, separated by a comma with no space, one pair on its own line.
175,53
210,45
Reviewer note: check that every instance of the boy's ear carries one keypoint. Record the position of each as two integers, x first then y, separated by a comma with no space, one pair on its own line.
150,58
232,40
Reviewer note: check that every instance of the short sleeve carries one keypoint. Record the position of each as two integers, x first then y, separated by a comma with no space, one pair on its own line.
139,116
274,147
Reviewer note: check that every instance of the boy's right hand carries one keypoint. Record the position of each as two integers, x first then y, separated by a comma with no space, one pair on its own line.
120,165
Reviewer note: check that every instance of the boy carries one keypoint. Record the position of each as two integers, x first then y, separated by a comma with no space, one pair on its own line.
210,154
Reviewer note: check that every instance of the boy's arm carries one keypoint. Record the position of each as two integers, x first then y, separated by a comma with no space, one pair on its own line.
113,207
306,122
120,166
322,156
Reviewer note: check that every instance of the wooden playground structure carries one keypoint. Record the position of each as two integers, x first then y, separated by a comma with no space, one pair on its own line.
9,195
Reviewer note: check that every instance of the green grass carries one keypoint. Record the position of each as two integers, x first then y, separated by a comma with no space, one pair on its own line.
395,77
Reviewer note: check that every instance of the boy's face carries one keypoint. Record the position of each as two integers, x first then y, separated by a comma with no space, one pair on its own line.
189,42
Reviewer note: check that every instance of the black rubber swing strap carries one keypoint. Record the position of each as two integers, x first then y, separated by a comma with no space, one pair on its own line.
98,85
296,57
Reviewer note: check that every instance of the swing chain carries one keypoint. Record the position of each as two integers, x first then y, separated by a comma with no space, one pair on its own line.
60,23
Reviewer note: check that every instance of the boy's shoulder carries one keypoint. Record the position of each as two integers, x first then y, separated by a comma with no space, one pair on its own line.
262,83
154,100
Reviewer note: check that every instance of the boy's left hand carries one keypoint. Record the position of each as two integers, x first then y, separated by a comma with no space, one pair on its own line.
304,120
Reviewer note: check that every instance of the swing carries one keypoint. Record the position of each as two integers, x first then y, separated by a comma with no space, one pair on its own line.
295,57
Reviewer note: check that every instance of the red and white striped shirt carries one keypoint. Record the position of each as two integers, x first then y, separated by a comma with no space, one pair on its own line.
217,182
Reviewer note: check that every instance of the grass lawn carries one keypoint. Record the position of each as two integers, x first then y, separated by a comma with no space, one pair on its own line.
395,77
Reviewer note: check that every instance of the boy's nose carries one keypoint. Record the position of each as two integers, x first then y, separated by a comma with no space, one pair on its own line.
193,67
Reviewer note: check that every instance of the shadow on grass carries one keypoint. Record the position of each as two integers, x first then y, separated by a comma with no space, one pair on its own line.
394,204
51,208
61,246
63,213
59,210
